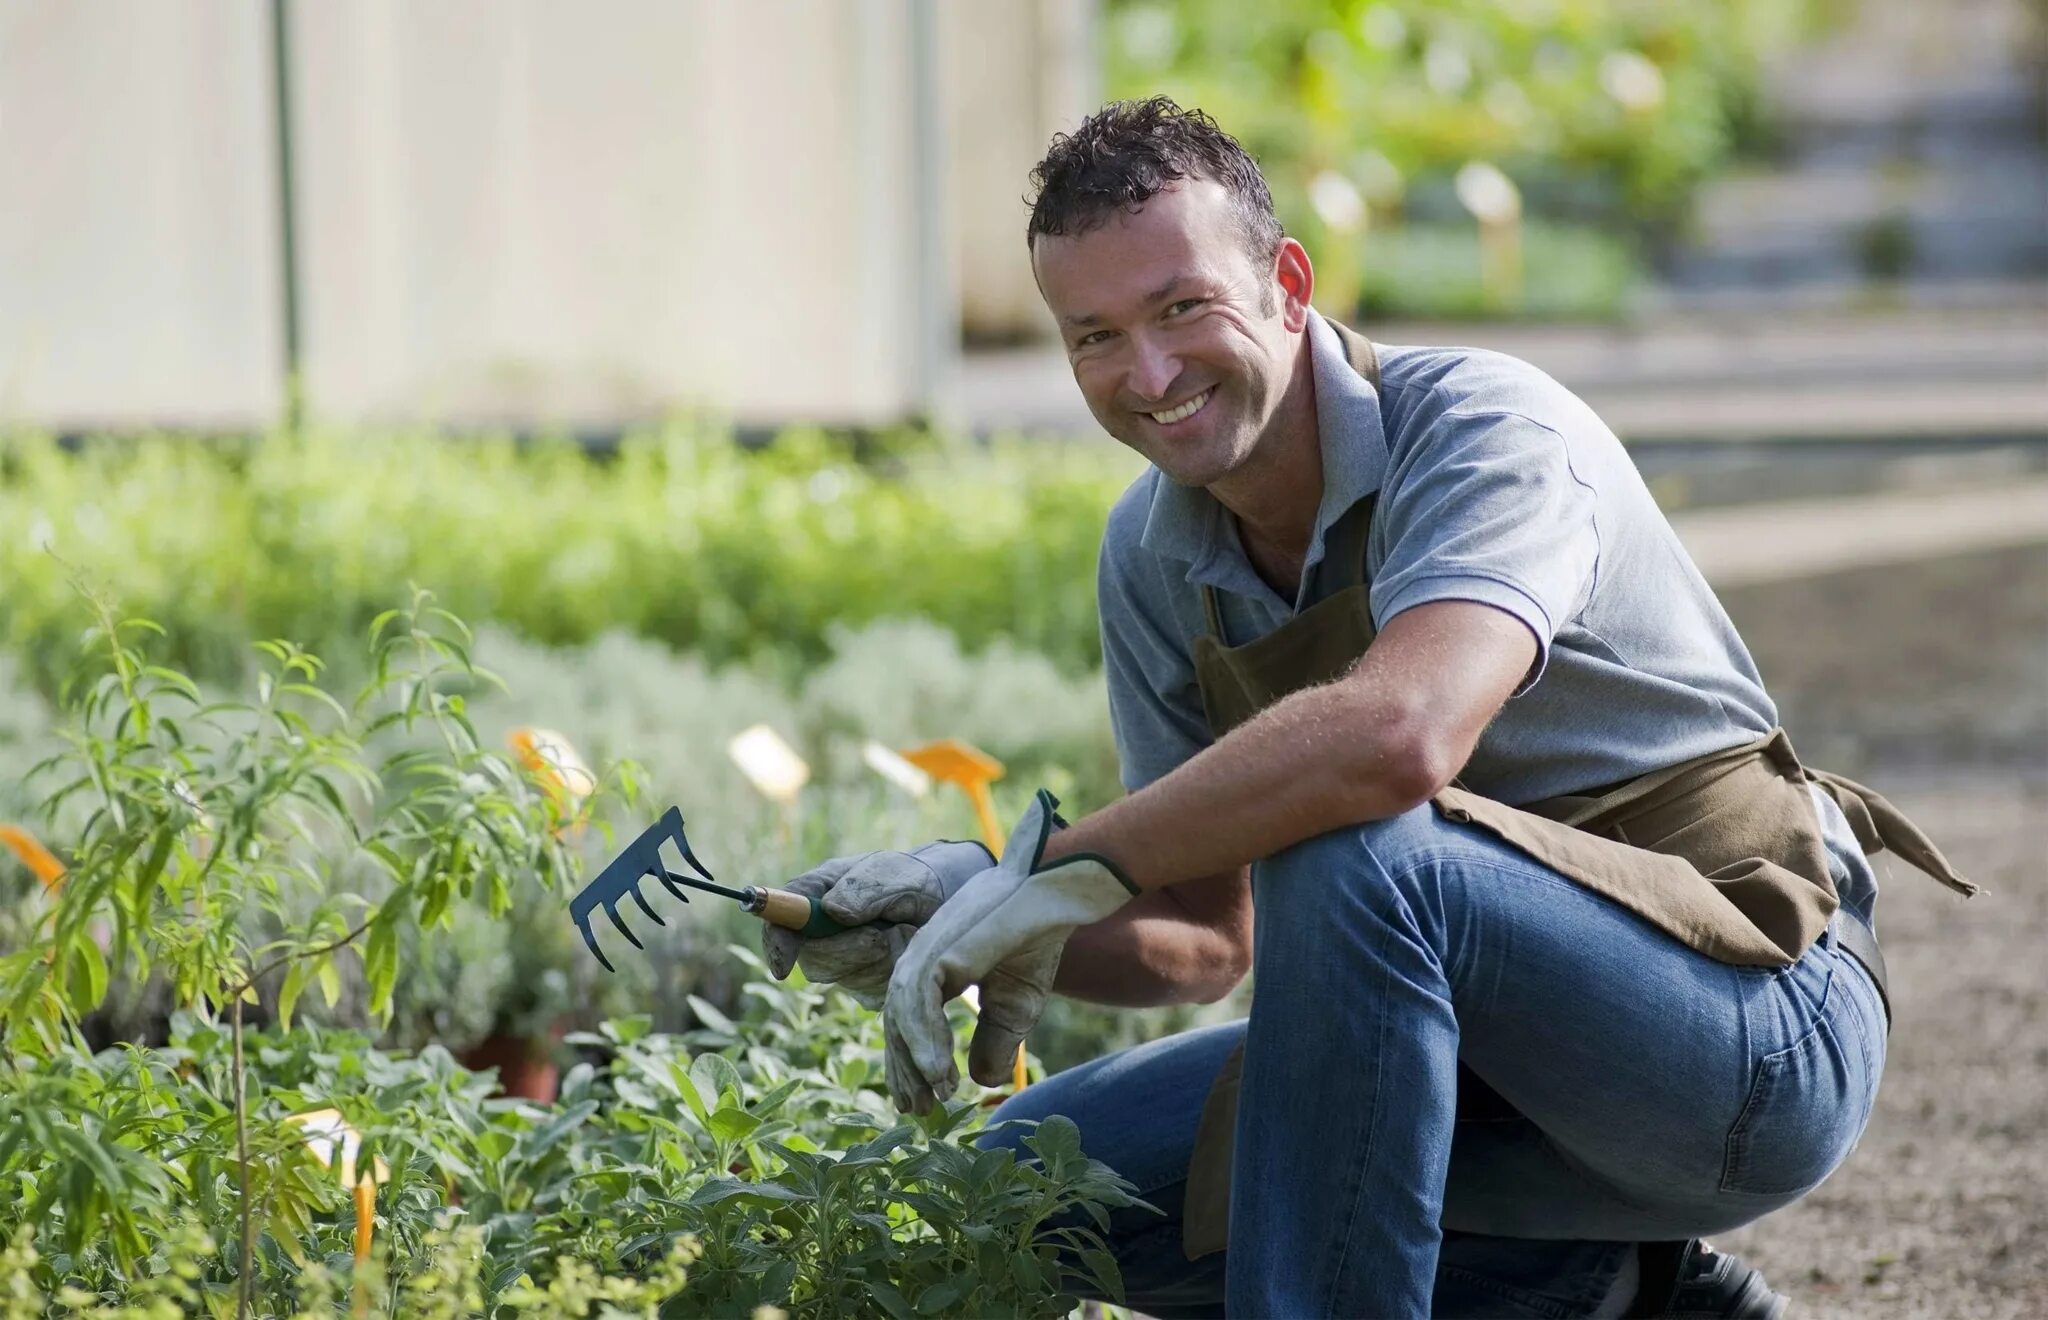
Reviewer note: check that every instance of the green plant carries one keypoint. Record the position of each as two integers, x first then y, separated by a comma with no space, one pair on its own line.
681,535
204,815
335,829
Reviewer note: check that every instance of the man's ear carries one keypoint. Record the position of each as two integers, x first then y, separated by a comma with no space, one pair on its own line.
1297,281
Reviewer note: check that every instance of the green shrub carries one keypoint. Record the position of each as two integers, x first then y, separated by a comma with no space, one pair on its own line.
1434,270
241,851
682,536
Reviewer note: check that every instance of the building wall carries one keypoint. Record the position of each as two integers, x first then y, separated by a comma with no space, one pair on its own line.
508,210
138,264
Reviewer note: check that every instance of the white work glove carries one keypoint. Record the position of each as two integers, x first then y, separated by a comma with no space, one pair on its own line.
1004,930
870,891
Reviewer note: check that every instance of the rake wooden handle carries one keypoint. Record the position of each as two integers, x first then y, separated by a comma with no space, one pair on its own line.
798,912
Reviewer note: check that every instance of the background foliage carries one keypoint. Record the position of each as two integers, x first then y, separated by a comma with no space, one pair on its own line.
1605,114
681,535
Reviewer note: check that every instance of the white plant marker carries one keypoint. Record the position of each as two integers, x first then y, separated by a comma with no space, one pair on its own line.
1496,204
769,763
886,763
334,1143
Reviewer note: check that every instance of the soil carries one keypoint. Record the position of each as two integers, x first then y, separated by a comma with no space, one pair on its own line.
1930,683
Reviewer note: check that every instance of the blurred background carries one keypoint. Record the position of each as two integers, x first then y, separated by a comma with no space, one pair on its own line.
690,352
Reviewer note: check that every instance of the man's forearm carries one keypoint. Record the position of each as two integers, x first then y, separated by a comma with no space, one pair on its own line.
1310,763
1374,743
1146,956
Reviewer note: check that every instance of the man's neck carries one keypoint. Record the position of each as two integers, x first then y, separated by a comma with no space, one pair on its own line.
1277,492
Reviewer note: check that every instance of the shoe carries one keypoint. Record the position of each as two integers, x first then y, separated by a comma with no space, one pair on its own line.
1692,1281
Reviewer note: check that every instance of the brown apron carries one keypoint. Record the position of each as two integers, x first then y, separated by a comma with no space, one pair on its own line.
1723,852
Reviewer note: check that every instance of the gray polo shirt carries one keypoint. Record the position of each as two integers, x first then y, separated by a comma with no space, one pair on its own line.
1495,485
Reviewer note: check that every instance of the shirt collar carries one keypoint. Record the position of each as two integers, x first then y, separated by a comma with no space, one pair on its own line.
1186,523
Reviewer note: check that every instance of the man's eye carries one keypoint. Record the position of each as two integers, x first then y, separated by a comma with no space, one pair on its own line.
1185,302
1089,341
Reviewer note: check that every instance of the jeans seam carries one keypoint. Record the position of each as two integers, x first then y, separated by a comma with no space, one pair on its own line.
1364,1160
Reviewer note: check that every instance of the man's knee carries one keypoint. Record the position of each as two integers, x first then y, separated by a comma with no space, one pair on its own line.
1361,861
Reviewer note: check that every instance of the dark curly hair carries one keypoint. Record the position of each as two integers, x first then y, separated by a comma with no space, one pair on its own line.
1128,151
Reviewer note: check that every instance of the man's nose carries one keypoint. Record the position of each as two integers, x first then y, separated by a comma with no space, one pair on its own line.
1154,369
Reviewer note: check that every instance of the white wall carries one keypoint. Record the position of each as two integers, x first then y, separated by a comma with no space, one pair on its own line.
138,263
515,210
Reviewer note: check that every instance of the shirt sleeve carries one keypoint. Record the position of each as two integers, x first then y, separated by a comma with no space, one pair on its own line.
1489,509
1155,706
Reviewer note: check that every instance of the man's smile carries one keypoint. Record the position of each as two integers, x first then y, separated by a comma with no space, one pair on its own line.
1183,411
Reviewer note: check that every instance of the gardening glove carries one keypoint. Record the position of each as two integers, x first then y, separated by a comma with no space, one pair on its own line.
1005,930
885,896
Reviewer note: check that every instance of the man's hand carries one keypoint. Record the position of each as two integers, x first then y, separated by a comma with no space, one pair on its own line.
1005,930
884,896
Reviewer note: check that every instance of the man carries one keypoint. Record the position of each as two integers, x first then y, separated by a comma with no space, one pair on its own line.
1428,721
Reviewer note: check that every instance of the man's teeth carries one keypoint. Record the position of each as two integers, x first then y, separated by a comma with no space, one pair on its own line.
1188,409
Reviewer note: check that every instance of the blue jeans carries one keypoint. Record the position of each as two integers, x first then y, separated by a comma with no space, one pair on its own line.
1650,1092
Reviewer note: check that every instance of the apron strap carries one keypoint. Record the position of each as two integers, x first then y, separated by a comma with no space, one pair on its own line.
1361,352
1880,825
1214,613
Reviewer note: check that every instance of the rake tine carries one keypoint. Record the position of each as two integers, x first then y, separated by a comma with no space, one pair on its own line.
611,909
641,899
672,827
669,881
691,858
590,939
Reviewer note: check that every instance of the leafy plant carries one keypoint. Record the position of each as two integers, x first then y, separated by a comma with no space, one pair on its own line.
202,815
682,535
747,1163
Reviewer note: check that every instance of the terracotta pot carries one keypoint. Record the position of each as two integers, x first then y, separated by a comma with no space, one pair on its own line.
526,1067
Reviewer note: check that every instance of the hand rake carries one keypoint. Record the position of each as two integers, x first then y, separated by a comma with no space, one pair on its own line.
642,858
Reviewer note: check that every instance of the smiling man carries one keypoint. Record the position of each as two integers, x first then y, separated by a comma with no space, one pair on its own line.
1561,959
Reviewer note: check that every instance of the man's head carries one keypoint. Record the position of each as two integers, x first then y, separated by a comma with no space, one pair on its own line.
1156,248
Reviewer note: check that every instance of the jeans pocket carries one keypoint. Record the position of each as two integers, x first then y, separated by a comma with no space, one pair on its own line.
1791,1133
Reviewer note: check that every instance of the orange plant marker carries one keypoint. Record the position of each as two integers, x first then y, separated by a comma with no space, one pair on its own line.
334,1143
39,860
365,1195
957,762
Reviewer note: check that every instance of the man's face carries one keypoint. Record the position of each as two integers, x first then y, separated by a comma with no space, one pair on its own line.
1161,311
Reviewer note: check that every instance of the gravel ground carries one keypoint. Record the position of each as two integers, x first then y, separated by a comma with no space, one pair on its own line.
1930,683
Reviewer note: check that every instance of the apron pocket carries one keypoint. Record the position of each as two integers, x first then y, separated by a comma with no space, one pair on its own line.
1789,1135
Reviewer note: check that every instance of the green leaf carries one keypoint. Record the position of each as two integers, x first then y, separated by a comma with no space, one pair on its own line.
551,1133
85,974
712,1018
330,980
941,1295
722,1189
687,1088
716,1078
380,964
895,1303
1057,1140
730,1124
288,994
1102,1267
774,1099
